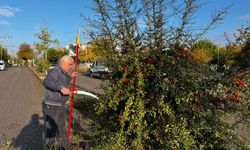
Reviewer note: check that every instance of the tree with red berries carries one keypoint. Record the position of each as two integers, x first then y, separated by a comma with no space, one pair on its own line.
159,96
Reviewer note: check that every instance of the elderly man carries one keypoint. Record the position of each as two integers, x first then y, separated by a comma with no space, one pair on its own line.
57,89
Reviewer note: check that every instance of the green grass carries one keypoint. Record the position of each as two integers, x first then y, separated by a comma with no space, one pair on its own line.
7,145
85,125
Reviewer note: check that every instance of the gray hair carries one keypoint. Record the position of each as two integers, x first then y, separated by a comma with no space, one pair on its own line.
66,57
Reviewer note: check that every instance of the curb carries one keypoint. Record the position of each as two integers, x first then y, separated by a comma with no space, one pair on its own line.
38,78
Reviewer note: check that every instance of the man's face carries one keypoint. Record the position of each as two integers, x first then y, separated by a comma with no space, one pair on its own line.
67,65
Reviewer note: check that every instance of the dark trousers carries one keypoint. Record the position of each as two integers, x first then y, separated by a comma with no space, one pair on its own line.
55,134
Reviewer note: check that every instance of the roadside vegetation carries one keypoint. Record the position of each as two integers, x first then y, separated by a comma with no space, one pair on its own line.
164,92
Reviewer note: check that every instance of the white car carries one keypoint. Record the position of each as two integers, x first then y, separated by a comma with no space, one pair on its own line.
2,65
14,65
99,68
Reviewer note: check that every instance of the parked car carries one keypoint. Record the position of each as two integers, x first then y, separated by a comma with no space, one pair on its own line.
2,65
99,69
14,65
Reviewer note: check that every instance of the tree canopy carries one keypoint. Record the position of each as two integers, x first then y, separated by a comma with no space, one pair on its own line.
55,54
42,47
4,53
25,52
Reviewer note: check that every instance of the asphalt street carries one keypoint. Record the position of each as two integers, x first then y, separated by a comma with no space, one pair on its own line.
20,109
92,85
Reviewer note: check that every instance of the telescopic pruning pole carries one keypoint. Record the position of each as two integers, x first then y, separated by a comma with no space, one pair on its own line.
73,87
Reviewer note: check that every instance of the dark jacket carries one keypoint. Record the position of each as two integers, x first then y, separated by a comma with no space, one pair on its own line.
53,83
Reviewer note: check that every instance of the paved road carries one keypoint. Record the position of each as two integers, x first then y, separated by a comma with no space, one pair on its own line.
20,108
87,83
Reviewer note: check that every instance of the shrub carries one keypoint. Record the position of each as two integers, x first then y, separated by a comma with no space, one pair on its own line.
244,56
202,56
166,102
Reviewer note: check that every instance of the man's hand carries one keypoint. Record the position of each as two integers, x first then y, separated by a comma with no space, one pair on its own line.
74,74
65,91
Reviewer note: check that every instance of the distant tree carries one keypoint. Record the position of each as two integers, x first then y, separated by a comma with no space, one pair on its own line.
231,53
98,48
239,49
207,45
25,52
244,56
55,54
4,54
92,51
243,39
86,55
52,55
43,46
61,52
222,57
202,55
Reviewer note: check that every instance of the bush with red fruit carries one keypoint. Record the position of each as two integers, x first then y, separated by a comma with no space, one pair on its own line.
164,101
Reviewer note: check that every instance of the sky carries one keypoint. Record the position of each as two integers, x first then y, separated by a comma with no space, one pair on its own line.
20,20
